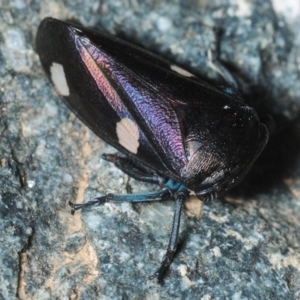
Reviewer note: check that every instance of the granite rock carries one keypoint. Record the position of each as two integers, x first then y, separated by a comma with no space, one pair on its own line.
243,246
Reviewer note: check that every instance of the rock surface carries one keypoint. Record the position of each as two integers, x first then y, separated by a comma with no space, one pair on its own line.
244,246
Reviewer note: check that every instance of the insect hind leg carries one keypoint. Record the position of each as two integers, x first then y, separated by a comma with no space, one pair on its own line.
170,188
132,169
164,194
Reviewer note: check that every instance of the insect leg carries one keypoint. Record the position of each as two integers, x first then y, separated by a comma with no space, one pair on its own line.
164,194
130,168
180,197
234,88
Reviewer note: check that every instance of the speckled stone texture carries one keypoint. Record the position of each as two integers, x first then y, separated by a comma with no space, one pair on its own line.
244,246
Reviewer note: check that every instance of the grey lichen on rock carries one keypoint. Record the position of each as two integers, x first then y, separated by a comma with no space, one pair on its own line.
244,246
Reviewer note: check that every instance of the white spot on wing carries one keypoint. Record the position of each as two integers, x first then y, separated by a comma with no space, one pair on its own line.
58,78
181,71
128,135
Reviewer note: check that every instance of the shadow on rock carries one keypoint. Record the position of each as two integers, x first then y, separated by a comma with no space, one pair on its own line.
279,160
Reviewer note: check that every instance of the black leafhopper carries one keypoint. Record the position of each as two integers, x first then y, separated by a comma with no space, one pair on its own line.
173,129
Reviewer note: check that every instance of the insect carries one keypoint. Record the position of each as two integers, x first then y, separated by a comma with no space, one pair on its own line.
174,129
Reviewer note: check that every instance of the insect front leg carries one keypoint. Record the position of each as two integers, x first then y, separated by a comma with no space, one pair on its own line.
180,197
132,169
